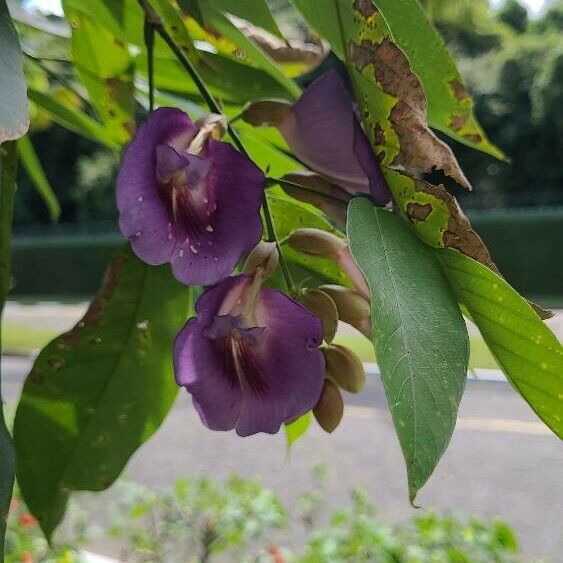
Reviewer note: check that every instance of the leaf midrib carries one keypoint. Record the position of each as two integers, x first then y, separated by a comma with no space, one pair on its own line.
401,327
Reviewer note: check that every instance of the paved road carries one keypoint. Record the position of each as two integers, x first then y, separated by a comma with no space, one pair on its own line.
502,461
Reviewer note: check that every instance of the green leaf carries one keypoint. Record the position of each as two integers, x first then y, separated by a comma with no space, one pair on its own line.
174,24
105,67
231,81
251,50
14,116
524,347
8,165
297,429
450,107
419,335
72,119
96,393
404,22
256,12
36,173
290,215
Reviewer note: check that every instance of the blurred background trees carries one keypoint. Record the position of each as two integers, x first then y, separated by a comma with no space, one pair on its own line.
514,70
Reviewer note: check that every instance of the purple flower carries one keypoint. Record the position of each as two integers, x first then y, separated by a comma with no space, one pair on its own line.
324,132
250,358
188,199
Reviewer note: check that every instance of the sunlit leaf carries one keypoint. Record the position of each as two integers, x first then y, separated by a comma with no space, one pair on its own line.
403,22
297,429
248,49
450,107
419,335
527,351
254,11
105,68
71,118
96,393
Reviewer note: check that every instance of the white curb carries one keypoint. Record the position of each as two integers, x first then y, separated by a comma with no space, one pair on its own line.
476,374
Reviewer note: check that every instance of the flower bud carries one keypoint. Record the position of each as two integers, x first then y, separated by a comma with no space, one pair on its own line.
322,187
322,306
266,113
330,408
316,242
263,256
353,308
344,368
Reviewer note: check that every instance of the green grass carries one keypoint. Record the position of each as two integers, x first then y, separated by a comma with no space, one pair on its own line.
480,355
21,339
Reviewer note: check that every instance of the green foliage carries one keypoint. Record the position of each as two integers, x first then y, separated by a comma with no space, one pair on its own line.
99,391
357,535
418,333
72,118
105,68
297,429
513,14
202,520
25,542
198,517
528,352
35,172
449,103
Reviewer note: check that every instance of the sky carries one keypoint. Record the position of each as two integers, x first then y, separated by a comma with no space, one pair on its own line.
54,6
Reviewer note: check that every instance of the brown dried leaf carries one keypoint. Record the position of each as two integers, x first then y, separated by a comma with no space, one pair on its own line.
420,149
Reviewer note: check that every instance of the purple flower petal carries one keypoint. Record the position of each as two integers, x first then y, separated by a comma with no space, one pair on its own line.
200,212
233,226
142,217
377,184
256,377
323,131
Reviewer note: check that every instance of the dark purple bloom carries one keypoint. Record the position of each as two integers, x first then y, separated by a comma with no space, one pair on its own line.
250,358
188,199
324,132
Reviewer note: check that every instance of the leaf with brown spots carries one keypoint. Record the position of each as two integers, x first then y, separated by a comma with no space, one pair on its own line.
96,393
439,220
105,67
419,149
405,23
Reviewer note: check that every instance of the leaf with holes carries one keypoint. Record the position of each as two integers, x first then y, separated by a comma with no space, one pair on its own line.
419,335
527,351
450,107
96,393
